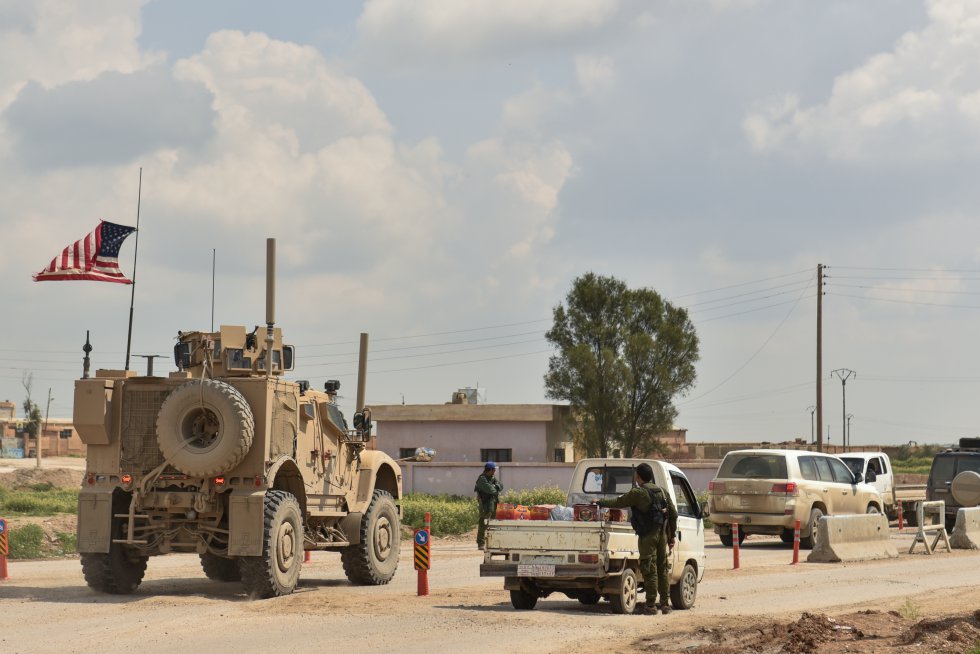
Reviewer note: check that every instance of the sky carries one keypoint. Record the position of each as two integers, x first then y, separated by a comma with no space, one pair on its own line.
437,174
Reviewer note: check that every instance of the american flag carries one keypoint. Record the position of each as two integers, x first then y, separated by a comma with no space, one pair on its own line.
93,257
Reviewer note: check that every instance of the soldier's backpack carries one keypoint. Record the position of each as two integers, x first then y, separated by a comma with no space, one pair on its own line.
655,517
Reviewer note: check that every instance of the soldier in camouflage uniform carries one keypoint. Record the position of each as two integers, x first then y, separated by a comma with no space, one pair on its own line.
488,491
653,546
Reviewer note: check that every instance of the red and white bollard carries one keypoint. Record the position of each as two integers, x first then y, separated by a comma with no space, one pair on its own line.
306,556
796,543
901,517
4,549
735,544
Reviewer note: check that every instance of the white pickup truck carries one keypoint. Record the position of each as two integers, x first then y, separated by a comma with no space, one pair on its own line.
589,561
876,468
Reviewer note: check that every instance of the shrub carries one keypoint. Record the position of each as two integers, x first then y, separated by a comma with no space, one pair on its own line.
532,496
67,542
450,514
25,542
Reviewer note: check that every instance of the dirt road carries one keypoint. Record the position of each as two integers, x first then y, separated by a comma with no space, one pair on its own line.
46,607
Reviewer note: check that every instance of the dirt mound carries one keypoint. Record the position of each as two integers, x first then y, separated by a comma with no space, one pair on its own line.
868,632
27,477
957,633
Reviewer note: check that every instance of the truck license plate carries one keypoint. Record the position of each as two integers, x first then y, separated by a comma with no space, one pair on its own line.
535,570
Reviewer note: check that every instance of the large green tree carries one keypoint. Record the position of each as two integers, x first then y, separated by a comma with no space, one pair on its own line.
623,355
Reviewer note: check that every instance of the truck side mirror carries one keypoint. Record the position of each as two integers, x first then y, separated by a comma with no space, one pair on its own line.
704,509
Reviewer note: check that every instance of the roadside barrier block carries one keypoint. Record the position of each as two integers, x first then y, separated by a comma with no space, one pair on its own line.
844,538
966,533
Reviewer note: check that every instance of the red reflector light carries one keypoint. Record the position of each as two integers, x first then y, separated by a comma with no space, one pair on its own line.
91,480
258,481
788,488
716,486
588,558
127,479
219,481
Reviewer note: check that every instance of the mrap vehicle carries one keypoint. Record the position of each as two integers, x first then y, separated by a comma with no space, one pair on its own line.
228,459
589,561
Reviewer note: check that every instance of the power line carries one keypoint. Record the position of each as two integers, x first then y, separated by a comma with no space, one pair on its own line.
416,347
895,301
905,290
948,270
758,299
740,313
455,331
757,281
795,285
761,347
425,354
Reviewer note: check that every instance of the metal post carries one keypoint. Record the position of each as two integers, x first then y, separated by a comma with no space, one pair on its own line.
40,433
812,409
843,374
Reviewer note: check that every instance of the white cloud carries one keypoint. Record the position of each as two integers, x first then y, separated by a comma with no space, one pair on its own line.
56,41
427,28
595,74
917,103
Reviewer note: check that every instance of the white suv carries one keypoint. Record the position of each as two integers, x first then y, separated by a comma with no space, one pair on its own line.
767,491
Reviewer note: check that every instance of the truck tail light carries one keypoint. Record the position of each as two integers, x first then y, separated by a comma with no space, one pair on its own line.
91,480
219,481
127,480
788,488
588,558
716,487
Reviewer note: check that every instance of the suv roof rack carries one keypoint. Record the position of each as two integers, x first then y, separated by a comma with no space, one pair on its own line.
970,444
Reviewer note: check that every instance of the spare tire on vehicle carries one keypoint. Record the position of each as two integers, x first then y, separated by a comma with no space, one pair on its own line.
205,427
966,488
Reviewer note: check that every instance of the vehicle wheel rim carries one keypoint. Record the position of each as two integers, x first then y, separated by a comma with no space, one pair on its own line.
689,588
629,592
285,547
201,428
382,539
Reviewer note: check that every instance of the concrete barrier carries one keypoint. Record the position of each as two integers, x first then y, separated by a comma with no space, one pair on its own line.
966,533
852,538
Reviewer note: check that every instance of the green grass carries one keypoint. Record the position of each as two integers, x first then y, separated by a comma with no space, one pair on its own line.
39,500
458,514
909,610
67,543
25,542
916,465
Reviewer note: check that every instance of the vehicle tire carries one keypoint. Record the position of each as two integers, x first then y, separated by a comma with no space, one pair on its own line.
965,488
373,561
589,597
911,517
872,510
726,539
120,571
685,591
808,536
787,536
276,571
205,427
220,568
523,600
624,599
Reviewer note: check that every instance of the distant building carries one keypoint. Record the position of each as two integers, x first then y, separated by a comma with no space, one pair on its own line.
8,411
467,430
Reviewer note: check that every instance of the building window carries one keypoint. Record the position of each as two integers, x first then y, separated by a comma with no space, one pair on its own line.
406,453
559,455
497,456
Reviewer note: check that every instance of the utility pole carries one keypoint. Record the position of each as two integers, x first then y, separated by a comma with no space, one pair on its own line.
843,374
819,408
811,409
849,416
44,429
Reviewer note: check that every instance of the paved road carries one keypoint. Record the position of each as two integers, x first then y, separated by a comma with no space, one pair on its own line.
46,607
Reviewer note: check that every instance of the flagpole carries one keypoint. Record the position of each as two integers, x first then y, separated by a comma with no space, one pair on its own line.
132,295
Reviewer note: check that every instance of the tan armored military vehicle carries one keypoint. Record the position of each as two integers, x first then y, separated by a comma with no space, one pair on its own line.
228,459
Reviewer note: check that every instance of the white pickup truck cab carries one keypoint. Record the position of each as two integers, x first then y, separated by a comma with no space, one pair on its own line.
876,469
589,561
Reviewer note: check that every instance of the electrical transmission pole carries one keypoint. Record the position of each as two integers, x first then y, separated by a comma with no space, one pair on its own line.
819,357
843,374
